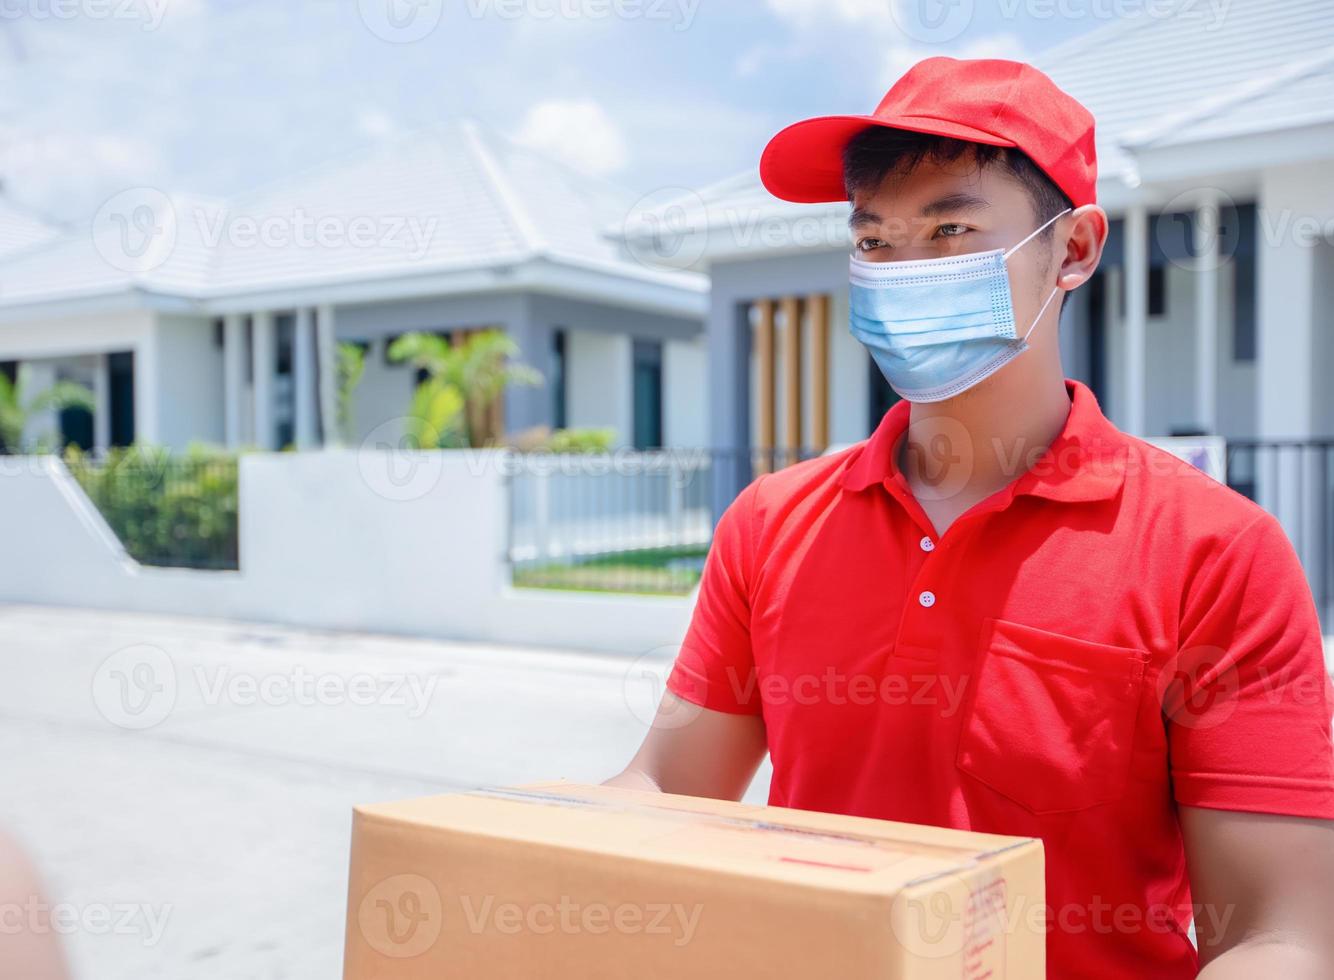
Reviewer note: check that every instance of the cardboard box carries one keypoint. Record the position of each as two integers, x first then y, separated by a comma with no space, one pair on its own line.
563,880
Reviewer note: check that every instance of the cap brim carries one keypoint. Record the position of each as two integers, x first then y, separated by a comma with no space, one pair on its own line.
803,163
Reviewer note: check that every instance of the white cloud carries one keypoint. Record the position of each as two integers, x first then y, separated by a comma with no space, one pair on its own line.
578,132
376,123
807,13
900,59
36,166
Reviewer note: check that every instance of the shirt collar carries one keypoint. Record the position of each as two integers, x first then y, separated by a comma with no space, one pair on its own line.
1086,462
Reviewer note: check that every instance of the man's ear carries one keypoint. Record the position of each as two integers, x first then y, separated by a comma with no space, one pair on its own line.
1083,250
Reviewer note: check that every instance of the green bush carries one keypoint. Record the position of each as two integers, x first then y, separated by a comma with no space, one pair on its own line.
167,510
581,440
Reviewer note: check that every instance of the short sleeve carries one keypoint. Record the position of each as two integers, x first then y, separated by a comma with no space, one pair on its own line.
716,667
1248,700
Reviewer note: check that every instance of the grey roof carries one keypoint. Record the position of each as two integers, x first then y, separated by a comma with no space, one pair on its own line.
1196,75
455,197
21,229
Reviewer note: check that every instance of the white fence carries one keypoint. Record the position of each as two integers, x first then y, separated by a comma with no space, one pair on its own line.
376,541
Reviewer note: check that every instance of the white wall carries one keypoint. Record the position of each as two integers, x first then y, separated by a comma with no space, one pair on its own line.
369,541
1291,317
382,398
685,393
189,382
849,389
598,382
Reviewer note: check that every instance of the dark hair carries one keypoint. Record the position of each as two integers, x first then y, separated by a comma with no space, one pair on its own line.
876,152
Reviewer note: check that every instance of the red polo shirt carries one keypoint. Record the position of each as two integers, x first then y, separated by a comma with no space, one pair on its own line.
1110,635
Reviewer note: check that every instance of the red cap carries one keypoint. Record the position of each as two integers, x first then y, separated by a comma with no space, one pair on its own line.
1001,103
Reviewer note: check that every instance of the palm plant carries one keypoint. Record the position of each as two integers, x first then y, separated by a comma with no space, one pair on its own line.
17,408
351,365
478,369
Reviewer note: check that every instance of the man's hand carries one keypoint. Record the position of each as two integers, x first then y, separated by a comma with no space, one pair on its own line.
696,752
1263,887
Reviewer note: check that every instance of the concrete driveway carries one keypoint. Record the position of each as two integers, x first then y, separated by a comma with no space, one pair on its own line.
185,785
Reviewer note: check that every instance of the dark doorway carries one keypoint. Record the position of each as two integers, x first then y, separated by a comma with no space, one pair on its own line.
882,396
120,397
647,386
76,428
1097,337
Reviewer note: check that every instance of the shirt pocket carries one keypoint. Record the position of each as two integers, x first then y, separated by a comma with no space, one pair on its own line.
1051,723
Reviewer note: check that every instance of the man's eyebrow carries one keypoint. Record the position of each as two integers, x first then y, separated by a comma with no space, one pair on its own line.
955,203
950,204
863,216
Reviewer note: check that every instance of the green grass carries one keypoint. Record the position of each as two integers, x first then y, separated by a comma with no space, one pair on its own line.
648,571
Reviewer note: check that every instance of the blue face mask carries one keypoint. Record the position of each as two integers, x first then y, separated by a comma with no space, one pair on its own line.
937,327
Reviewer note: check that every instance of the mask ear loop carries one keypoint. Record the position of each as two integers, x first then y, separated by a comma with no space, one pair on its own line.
1035,234
1037,318
1016,248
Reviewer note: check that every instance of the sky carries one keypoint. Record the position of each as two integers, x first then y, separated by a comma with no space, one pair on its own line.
216,97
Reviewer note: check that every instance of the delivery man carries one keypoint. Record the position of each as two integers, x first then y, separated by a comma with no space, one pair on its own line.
1000,613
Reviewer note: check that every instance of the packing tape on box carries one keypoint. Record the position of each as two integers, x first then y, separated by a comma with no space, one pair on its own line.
875,852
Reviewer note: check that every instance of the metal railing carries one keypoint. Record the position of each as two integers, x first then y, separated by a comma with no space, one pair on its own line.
1293,479
624,521
178,512
642,522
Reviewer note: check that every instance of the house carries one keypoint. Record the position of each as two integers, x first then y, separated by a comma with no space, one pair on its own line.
1212,310
216,321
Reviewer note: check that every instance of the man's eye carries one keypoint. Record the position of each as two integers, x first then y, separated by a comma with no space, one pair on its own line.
869,244
950,231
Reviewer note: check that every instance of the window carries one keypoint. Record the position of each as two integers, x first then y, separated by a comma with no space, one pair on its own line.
1158,290
882,396
1243,305
120,369
557,376
647,382
1097,337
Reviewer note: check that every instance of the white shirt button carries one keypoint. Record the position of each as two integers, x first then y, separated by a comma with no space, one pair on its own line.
927,544
927,599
